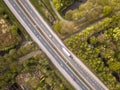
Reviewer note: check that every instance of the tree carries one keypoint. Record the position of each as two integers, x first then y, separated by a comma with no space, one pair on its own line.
107,10
2,10
57,26
114,66
12,52
49,80
93,40
56,4
14,30
116,33
69,15
6,16
118,56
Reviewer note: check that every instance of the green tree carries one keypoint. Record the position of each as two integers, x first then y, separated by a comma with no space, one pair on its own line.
69,15
5,16
115,66
93,40
2,10
12,52
107,10
14,30
57,26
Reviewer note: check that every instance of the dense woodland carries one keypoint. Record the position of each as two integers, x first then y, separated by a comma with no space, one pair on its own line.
99,48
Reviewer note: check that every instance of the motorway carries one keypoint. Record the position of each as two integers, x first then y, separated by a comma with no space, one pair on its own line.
45,46
90,79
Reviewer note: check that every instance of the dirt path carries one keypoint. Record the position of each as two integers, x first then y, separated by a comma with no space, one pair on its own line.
21,59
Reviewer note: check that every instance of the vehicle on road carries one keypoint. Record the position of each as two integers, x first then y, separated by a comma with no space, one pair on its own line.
66,52
74,78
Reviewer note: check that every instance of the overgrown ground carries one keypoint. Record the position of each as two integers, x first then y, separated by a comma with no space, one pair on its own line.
6,14
8,34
